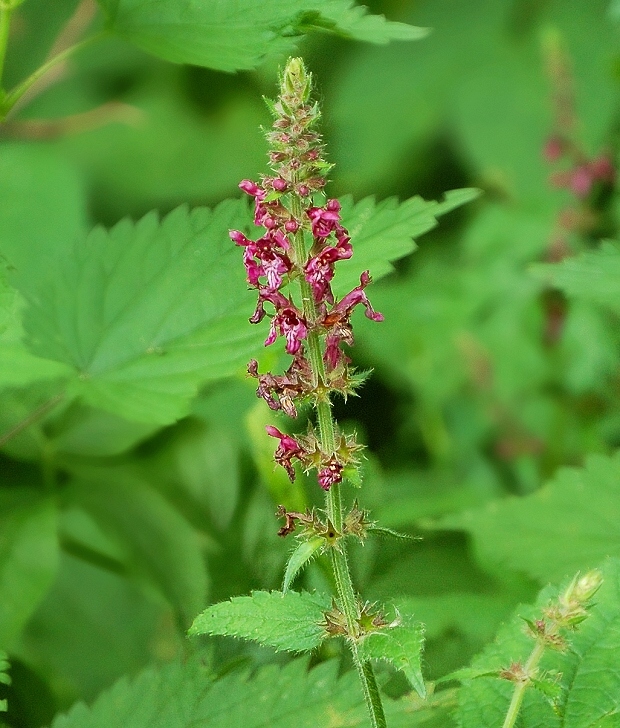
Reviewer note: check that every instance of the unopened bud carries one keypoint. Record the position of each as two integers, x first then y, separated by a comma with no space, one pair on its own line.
296,80
582,589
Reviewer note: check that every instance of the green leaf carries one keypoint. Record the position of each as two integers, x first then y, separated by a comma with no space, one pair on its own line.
383,232
159,544
206,459
530,534
591,276
590,675
28,557
95,625
288,621
235,36
186,696
401,646
17,365
302,554
4,677
381,531
146,313
43,210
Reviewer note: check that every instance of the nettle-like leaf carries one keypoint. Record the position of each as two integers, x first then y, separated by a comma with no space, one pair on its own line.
146,312
288,621
569,524
229,36
401,646
18,367
385,231
28,557
592,276
4,677
588,673
184,696
302,554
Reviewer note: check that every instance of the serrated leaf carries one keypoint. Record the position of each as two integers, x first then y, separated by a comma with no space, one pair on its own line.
145,313
159,544
549,686
28,557
530,534
401,646
590,674
17,365
592,276
185,696
234,36
302,554
383,232
288,621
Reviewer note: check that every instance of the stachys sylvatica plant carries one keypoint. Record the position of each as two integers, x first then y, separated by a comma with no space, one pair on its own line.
291,265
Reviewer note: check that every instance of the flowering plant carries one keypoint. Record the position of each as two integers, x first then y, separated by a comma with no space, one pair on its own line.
292,265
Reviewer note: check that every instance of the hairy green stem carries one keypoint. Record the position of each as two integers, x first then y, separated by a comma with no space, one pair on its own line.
521,687
327,435
15,95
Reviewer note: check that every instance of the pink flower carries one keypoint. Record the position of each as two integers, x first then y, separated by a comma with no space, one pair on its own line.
251,188
288,449
274,297
333,354
319,270
324,220
344,308
288,322
330,474
264,257
554,148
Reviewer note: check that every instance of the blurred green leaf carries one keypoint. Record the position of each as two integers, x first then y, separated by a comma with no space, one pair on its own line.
93,627
590,675
401,646
161,547
28,557
383,232
590,276
140,315
4,677
17,365
288,621
207,461
185,695
85,431
232,37
567,525
43,211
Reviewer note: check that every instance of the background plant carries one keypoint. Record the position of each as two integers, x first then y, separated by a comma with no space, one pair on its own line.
491,416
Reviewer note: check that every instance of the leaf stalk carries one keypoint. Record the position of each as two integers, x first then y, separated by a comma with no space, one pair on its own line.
9,101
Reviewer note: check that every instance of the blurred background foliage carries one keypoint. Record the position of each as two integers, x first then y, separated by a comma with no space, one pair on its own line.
485,380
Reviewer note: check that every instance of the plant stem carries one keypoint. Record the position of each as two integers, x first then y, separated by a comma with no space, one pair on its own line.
327,435
15,95
38,414
5,23
521,687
